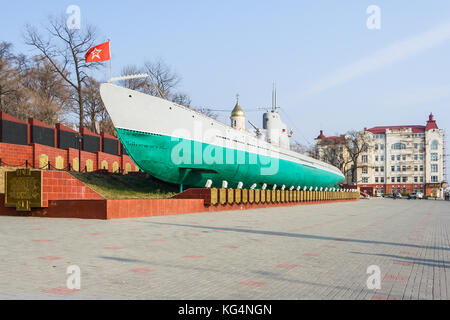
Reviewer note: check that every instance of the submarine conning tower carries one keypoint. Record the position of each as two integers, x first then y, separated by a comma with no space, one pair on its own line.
275,130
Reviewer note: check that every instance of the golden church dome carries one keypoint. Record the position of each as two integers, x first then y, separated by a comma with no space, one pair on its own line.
237,111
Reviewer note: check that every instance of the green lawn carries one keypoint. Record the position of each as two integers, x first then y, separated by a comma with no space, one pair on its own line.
126,187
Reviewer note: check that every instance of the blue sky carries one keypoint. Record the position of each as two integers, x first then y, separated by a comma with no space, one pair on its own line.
332,72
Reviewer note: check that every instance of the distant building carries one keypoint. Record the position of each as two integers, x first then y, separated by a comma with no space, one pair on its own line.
333,151
403,159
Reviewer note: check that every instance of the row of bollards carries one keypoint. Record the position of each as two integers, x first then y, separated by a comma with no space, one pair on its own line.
244,196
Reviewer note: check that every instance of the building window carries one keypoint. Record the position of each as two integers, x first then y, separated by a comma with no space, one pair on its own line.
434,179
434,157
376,158
365,159
416,168
416,179
377,180
393,169
398,158
404,158
365,180
393,158
421,157
393,180
405,179
399,169
404,169
382,169
421,179
416,146
376,147
382,180
399,180
434,145
399,146
382,158
382,190
377,169
404,190
382,146
421,168
434,168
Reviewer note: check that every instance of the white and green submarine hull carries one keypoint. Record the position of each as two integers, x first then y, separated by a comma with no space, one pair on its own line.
181,146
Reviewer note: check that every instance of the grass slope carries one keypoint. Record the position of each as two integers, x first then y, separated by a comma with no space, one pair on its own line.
126,187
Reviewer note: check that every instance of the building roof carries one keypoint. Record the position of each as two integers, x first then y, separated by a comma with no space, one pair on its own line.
331,138
431,124
382,130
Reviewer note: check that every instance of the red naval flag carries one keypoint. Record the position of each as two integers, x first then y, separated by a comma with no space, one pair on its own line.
99,53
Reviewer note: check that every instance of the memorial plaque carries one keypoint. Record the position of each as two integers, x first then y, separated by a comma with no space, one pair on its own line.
251,196
244,196
257,196
223,196
23,189
214,197
238,196
230,196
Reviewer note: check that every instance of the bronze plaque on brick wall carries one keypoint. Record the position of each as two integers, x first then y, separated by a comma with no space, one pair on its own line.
23,189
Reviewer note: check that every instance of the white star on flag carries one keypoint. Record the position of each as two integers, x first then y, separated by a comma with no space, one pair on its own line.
96,54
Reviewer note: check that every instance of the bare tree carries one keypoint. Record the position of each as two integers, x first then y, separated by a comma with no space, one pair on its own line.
356,143
182,99
140,84
9,80
64,49
162,82
95,109
207,111
47,94
301,148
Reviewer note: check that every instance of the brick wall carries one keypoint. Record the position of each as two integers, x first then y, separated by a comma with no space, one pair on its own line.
39,155
59,185
15,155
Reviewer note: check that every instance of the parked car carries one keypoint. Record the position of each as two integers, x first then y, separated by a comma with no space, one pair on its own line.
415,196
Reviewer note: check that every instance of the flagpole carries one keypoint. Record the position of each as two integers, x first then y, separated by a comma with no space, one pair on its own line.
110,60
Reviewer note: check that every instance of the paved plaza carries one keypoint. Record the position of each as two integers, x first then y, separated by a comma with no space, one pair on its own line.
302,252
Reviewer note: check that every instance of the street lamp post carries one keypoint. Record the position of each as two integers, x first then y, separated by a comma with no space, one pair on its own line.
80,140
